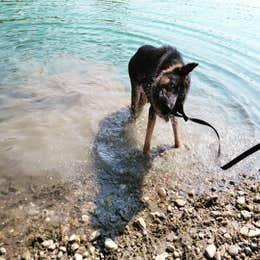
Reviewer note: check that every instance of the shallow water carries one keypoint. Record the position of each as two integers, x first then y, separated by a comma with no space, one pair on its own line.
64,87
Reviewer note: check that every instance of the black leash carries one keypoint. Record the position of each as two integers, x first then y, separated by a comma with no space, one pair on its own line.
237,159
241,156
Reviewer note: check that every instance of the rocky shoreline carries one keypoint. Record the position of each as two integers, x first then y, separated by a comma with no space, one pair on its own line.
222,224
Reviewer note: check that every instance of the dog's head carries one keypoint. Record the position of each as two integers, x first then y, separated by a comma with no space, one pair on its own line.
170,88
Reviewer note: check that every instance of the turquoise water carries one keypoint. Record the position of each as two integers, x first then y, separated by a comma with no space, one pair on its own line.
58,57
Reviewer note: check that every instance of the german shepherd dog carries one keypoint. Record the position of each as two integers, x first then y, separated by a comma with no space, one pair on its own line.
160,77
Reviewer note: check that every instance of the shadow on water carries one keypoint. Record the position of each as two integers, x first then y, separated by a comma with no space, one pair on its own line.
120,167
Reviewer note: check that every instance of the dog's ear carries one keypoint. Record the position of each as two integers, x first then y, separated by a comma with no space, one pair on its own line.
186,69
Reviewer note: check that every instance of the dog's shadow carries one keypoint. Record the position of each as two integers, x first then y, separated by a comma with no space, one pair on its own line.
120,169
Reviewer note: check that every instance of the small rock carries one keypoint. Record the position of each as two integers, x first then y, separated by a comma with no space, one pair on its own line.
157,215
257,199
94,235
74,238
162,193
110,244
201,235
171,237
176,254
169,209
233,250
63,249
248,251
141,223
85,218
162,256
211,251
191,193
49,244
86,254
241,200
60,254
180,202
91,249
227,236
78,257
250,231
246,214
26,255
218,256
74,247
170,248
3,251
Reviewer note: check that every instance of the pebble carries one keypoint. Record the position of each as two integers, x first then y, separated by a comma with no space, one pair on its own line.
86,254
162,193
241,200
2,251
74,247
110,244
94,235
248,251
158,215
250,231
141,223
217,256
162,256
74,238
63,249
170,248
246,214
26,255
85,218
233,250
60,255
78,256
49,244
211,251
171,237
176,254
180,202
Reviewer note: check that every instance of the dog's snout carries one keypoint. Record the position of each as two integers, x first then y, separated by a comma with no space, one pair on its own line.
171,101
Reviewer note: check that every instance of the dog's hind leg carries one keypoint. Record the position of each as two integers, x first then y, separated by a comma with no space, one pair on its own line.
175,127
149,130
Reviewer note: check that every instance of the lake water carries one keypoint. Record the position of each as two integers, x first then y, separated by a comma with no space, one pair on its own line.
64,85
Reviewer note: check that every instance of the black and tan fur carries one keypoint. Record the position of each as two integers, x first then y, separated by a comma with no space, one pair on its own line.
160,77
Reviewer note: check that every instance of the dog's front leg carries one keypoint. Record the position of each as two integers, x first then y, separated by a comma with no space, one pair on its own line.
149,130
175,127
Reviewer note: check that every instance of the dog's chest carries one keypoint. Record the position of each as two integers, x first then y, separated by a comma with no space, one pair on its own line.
147,90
